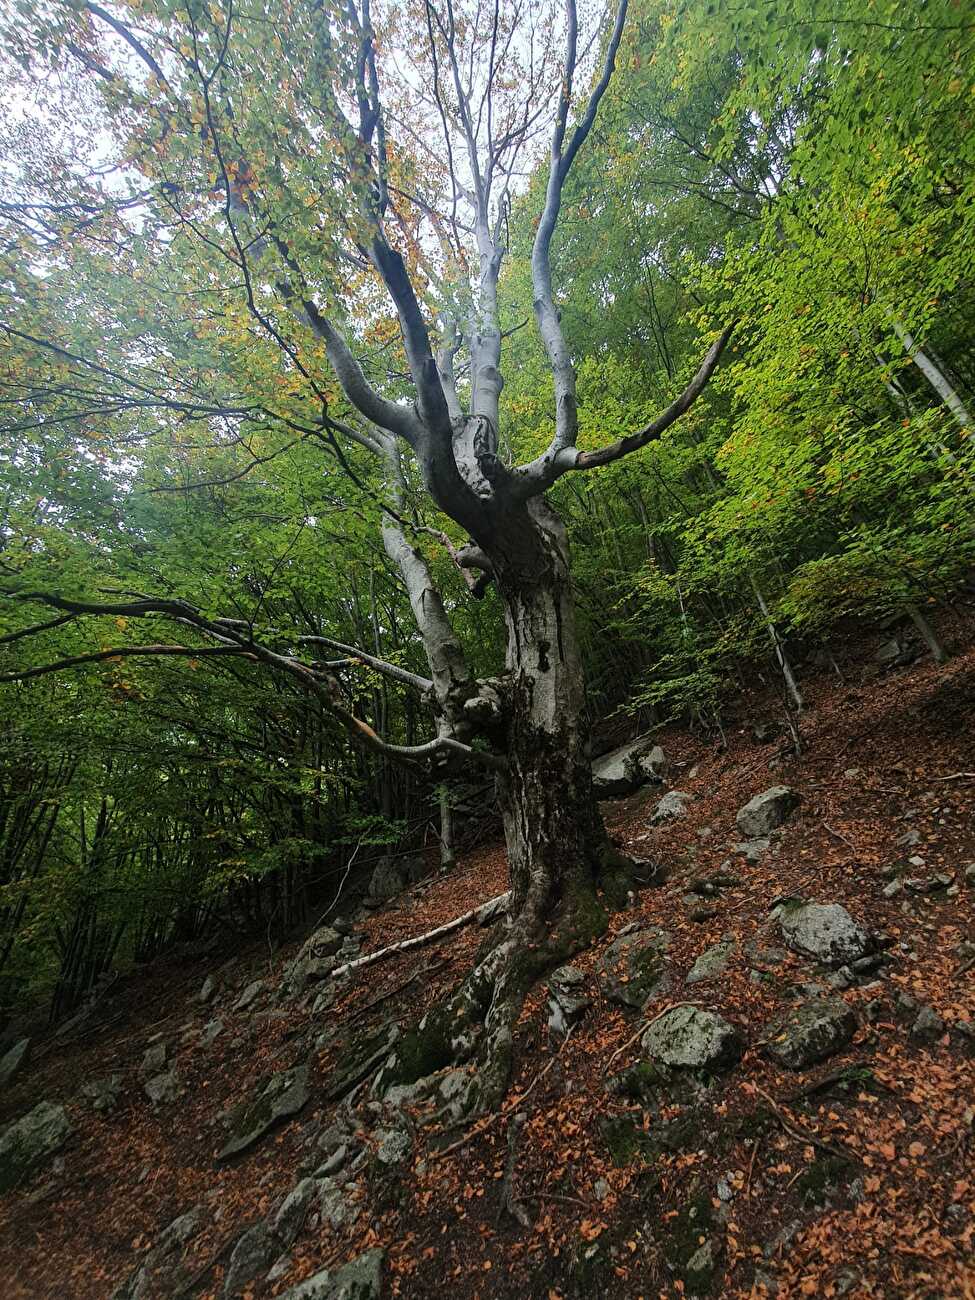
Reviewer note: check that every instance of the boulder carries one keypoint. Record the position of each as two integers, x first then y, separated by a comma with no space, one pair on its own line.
162,1087
633,968
209,990
13,1061
810,1032
210,1032
254,1251
670,808
928,1027
103,1094
688,1036
288,1218
139,1283
625,769
825,931
275,1099
654,765
766,811
566,1002
335,1200
392,875
30,1140
360,1279
249,995
153,1060
712,962
316,961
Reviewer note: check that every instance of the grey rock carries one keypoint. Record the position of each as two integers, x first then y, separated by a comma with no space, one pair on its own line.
810,1032
31,1140
909,839
392,875
324,1000
928,1027
825,931
394,1146
279,1268
724,1191
209,990
288,1218
162,1087
753,850
566,1003
712,962
628,767
139,1284
249,995
970,874
633,968
103,1094
210,1032
766,1282
336,1205
252,1254
153,1060
896,653
670,808
182,1230
766,811
333,1162
687,1036
655,764
700,1267
601,1189
13,1060
893,888
360,1279
275,1099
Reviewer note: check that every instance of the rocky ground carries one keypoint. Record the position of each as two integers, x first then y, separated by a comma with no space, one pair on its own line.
760,1082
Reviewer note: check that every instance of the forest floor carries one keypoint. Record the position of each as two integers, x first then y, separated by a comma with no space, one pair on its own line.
853,1177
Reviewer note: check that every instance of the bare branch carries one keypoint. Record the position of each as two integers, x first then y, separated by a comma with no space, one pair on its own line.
541,473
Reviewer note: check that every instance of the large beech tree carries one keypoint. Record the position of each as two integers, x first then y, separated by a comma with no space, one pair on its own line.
312,203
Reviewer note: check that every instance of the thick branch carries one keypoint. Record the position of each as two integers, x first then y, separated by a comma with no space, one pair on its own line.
485,914
541,473
423,684
120,652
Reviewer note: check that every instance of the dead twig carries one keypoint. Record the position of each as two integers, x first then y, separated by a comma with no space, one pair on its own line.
383,997
840,836
802,1135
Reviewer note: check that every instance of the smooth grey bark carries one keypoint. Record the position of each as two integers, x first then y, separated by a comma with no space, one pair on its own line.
932,373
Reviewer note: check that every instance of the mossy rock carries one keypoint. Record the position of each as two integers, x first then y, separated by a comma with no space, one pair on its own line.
277,1097
634,968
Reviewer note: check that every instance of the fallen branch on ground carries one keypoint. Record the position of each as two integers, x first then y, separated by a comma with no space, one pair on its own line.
803,1135
483,915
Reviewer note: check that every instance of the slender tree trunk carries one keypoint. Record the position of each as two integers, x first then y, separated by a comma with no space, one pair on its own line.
935,376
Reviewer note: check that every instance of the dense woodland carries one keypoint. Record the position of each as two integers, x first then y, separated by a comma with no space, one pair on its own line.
173,431
402,405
